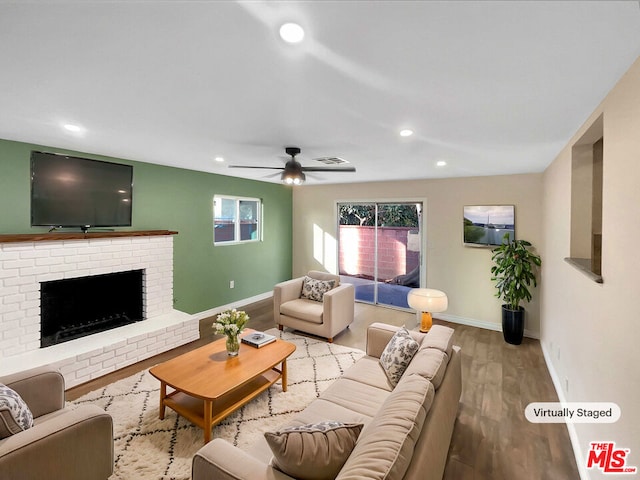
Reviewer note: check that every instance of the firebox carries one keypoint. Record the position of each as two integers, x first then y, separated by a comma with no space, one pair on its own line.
76,307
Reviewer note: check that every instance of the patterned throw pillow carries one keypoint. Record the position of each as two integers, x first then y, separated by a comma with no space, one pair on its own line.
15,416
315,289
397,355
313,452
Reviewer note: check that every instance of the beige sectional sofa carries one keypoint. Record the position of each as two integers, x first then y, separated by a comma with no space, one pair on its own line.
407,429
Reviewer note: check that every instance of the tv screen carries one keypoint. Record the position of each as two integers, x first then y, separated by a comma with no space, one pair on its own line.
486,225
78,192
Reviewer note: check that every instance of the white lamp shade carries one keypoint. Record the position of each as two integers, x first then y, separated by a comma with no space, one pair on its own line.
427,300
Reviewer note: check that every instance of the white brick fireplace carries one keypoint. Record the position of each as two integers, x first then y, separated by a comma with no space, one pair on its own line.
24,264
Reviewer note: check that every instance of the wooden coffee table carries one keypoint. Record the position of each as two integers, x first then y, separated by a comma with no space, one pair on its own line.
209,385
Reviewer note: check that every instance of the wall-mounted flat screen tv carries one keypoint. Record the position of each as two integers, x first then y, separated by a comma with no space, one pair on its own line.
78,192
486,225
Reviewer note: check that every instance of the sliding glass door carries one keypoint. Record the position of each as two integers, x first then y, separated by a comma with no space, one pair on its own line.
379,246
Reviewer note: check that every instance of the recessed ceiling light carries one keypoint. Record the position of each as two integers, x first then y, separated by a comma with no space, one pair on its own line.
291,32
219,159
406,132
73,128
441,163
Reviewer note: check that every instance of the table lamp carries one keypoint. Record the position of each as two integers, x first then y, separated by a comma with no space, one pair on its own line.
427,300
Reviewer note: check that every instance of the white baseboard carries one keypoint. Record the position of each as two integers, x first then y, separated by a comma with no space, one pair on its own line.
472,322
573,435
216,310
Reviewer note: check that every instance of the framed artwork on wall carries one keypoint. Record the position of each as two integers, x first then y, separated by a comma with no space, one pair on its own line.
486,225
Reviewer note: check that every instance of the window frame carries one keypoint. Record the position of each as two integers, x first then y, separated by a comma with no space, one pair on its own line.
237,233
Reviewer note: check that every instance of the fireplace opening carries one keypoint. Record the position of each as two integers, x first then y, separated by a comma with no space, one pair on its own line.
77,307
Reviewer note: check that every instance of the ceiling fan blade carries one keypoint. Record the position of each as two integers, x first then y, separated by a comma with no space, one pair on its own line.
272,175
328,169
249,166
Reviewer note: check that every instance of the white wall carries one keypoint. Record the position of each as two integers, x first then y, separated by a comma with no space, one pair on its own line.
464,273
590,332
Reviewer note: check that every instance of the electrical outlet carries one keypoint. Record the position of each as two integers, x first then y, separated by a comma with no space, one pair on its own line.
232,284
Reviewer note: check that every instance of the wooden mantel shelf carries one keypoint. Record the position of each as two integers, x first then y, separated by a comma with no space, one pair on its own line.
57,236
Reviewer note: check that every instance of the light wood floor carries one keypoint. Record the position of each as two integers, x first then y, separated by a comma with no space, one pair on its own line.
491,439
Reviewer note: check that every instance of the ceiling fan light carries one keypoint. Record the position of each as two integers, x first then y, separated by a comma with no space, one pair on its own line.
293,177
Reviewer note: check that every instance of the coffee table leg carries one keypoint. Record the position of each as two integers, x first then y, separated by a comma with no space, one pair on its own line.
207,420
284,375
163,395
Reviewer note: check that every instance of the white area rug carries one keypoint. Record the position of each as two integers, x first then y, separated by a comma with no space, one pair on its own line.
149,448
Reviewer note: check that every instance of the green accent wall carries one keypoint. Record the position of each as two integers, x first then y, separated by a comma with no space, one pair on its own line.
167,198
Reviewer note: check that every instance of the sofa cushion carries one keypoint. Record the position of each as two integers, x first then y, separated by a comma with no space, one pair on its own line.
15,415
314,289
397,354
313,452
386,444
368,370
303,309
355,396
431,363
319,410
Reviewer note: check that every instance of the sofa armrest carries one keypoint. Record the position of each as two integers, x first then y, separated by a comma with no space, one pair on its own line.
75,443
339,305
41,388
378,335
220,460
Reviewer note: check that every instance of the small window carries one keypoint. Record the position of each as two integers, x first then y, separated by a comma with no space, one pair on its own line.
236,220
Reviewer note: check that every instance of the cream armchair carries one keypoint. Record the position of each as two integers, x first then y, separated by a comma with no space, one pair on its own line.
324,318
64,442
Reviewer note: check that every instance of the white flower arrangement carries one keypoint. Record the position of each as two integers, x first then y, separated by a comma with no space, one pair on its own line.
231,322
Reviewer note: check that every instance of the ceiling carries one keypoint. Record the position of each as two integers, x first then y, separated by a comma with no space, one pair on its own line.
488,87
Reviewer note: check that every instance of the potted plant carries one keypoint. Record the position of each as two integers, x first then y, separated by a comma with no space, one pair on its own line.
513,273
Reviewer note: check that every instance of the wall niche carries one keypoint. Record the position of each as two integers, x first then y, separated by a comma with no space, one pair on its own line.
587,160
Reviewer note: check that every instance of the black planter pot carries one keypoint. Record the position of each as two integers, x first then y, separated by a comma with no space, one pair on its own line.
513,325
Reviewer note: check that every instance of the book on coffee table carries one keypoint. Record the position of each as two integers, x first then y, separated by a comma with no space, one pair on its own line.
258,339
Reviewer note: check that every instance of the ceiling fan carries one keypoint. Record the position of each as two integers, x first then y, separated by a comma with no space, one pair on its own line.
293,171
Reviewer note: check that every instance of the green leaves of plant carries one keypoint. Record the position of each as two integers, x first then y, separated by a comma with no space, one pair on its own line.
513,272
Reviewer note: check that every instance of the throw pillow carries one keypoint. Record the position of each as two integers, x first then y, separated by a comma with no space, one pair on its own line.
315,289
15,415
397,355
313,452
